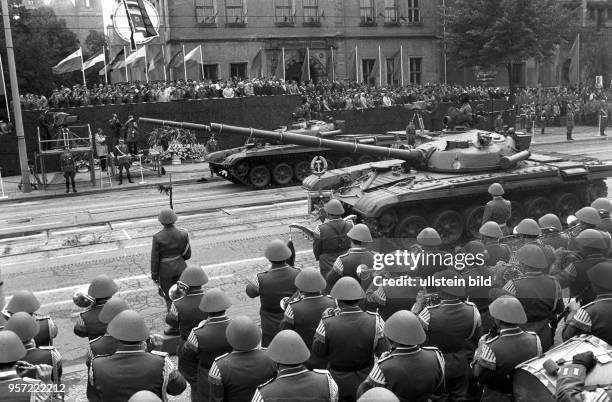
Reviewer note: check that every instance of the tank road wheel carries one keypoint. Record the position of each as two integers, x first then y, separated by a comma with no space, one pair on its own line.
242,169
363,159
330,164
282,174
517,214
301,170
345,161
260,176
537,207
566,204
408,228
473,220
449,224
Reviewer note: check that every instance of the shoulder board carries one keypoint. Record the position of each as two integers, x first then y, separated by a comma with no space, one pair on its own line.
221,357
372,313
343,255
434,306
95,339
159,353
266,383
430,348
588,304
40,317
491,340
46,347
469,303
97,356
200,325
299,299
320,371
531,332
384,358
330,312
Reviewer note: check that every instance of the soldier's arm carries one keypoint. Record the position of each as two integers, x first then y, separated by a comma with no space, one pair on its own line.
559,304
79,328
566,275
485,364
334,274
381,344
252,287
155,260
172,318
376,378
316,248
319,346
175,380
189,351
216,384
570,381
476,328
579,324
187,252
287,322
486,215
52,329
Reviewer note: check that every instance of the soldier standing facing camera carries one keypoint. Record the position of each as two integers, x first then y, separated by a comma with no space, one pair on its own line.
68,168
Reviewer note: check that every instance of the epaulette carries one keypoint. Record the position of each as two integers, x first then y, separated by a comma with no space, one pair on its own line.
320,371
490,340
343,255
95,339
588,304
159,353
42,317
330,312
46,347
266,383
531,333
384,358
434,306
374,313
201,324
221,357
431,348
470,303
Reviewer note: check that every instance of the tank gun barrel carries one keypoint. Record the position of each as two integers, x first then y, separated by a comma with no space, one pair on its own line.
412,156
170,123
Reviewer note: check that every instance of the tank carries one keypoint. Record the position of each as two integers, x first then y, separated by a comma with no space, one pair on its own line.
443,183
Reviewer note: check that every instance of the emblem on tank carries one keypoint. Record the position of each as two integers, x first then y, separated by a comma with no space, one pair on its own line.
318,165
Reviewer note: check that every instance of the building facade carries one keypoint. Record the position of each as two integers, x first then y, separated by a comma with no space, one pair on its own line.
81,16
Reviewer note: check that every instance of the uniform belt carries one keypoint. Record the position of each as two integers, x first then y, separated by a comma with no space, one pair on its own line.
349,368
169,259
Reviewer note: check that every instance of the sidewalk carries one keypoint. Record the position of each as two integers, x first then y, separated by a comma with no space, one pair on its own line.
557,135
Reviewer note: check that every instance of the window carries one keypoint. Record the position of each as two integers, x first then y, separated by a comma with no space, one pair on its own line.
284,11
211,72
238,70
366,11
235,12
413,11
392,75
415,70
391,12
369,73
206,11
311,11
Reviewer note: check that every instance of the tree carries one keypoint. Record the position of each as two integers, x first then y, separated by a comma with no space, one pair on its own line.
94,42
504,32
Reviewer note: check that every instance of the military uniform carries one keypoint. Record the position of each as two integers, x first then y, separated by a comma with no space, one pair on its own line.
44,355
168,254
575,276
479,295
594,318
297,383
89,324
498,210
37,393
571,387
389,299
347,263
330,242
47,332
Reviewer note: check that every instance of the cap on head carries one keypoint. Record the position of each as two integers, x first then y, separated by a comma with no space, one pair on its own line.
528,227
167,216
496,189
11,347
592,238
242,333
601,275
429,237
602,203
310,280
532,256
361,233
111,308
451,285
128,326
24,325
334,207
214,301
287,347
347,288
508,309
194,276
102,287
491,229
404,328
550,221
589,215
144,396
23,300
277,251
378,394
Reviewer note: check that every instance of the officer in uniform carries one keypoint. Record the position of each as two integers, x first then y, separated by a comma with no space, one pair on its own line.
495,250
569,122
349,361
131,368
89,325
123,161
551,232
207,341
303,313
454,327
171,248
498,209
594,318
293,381
571,379
499,353
424,366
24,300
236,375
330,237
68,168
539,294
347,263
272,286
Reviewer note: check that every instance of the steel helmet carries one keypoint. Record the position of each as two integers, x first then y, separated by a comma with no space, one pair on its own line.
491,229
24,325
277,251
243,334
588,215
404,328
194,276
474,247
378,394
602,203
128,326
429,237
528,227
11,347
592,238
496,189
287,347
550,221
600,275
508,309
144,396
334,207
111,308
102,287
532,256
361,233
214,301
310,280
347,288
23,300
167,217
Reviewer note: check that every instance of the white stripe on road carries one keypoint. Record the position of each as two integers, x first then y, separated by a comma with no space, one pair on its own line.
126,234
83,229
30,226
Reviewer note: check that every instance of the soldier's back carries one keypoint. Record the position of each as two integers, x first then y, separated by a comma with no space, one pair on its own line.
242,372
304,384
307,314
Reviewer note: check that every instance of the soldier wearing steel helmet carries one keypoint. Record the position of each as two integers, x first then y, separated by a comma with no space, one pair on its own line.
144,396
272,286
497,355
498,209
303,313
293,381
539,293
552,232
25,301
378,394
131,368
349,362
594,317
235,376
454,327
496,251
101,289
170,250
588,218
407,359
346,264
604,207
331,239
529,232
429,241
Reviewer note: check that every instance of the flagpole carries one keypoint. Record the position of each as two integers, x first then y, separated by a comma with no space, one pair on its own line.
164,61
105,70
283,49
202,61
82,69
146,65
356,66
308,63
379,68
127,77
402,65
184,63
333,66
578,60
8,111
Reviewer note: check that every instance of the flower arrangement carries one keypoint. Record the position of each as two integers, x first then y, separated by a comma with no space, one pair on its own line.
176,142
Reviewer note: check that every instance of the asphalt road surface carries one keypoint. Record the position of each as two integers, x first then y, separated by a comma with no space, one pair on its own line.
54,247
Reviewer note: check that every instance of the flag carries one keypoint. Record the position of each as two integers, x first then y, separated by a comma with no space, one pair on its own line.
374,72
176,60
116,63
139,20
74,62
280,65
352,67
305,76
156,59
257,64
194,55
93,61
397,68
574,54
136,56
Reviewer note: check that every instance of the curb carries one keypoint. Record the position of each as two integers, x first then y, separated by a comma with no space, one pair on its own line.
565,141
